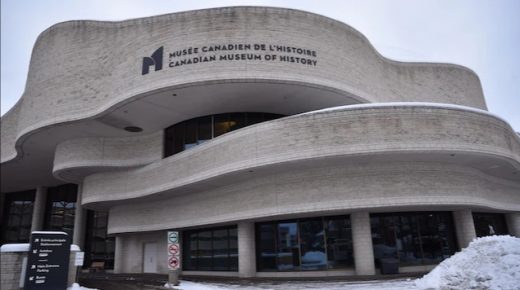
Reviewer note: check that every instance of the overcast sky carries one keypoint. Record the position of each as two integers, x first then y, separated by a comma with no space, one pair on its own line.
482,35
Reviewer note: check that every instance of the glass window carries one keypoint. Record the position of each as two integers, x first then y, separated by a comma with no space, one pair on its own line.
233,249
306,244
178,137
205,250
205,129
288,248
221,124
489,224
266,246
211,249
189,133
17,214
338,234
413,238
98,246
237,121
61,207
220,250
312,245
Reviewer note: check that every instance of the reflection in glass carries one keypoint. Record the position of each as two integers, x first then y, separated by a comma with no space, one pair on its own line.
288,250
99,247
338,233
306,244
413,238
489,224
205,255
17,217
210,249
313,256
61,208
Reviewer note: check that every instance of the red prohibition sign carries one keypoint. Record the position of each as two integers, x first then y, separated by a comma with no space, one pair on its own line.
173,262
173,249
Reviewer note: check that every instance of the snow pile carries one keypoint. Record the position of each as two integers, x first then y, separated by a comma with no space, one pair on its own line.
76,286
14,248
487,263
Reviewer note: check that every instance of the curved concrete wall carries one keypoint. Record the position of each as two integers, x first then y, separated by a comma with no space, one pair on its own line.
76,158
82,69
322,189
346,132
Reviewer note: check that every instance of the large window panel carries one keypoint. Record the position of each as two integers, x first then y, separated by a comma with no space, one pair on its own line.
17,217
210,249
407,242
305,244
61,208
192,132
338,234
312,245
489,224
266,246
220,250
288,248
99,247
233,249
413,238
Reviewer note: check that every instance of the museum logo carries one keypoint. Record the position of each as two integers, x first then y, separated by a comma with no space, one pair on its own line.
156,60
256,53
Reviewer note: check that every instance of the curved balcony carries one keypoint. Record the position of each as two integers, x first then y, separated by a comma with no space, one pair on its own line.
408,132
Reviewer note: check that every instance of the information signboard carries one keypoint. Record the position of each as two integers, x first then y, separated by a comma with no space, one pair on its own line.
48,261
173,250
79,258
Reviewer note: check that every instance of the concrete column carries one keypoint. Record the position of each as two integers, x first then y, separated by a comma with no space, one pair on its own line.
464,227
38,215
118,255
513,224
80,220
362,242
246,250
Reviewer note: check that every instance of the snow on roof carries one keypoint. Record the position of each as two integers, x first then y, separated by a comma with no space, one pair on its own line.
49,233
14,248
25,248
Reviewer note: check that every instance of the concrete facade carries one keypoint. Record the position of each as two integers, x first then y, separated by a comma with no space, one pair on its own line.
361,135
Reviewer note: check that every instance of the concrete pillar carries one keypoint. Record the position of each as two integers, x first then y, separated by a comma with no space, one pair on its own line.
513,224
38,216
246,250
464,227
118,255
362,242
80,220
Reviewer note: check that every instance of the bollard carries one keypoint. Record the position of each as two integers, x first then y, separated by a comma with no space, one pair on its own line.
173,277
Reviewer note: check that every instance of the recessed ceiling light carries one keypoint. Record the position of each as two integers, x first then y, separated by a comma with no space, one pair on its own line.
133,129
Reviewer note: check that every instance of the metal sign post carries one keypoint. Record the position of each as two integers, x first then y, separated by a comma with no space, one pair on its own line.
174,261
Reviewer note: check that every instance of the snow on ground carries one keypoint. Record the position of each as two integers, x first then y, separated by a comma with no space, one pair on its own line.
487,263
76,286
300,285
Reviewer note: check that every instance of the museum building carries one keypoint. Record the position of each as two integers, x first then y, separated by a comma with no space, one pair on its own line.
278,142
